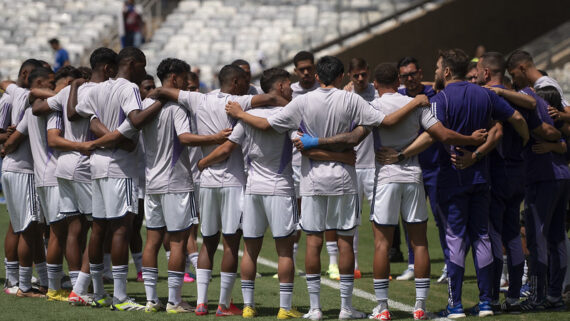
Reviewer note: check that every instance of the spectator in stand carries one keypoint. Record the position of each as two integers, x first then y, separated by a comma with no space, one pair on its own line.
134,25
61,55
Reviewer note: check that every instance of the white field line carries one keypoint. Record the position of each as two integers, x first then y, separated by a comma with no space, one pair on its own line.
335,285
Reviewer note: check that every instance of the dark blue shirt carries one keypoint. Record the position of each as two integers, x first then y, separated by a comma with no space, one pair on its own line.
465,107
548,166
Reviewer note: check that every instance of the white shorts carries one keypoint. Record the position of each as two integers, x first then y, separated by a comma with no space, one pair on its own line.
176,211
21,199
220,209
297,180
330,212
197,197
141,191
48,198
114,197
394,198
74,197
280,213
365,183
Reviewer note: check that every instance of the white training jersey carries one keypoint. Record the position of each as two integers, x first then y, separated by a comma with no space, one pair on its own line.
45,158
549,81
297,91
166,159
268,154
20,160
211,118
399,137
252,90
71,165
5,111
365,150
195,152
326,112
112,101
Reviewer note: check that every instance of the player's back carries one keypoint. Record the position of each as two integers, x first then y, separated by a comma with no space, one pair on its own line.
45,158
268,154
20,160
166,160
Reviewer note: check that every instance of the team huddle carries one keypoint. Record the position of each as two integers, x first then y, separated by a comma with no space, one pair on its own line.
101,149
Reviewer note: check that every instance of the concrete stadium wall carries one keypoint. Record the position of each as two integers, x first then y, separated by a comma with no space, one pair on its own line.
500,25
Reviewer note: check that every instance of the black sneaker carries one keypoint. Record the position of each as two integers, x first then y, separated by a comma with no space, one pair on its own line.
529,306
395,255
513,308
557,305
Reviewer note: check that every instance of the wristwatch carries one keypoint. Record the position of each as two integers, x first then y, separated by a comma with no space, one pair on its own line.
401,156
478,155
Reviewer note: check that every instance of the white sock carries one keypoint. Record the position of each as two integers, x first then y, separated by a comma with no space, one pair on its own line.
41,269
167,255
120,273
285,295
505,272
346,286
194,260
25,278
227,280
54,272
96,271
422,290
314,289
295,250
107,265
411,267
12,272
150,278
332,250
381,291
525,273
355,248
137,258
73,277
247,289
82,283
175,281
202,283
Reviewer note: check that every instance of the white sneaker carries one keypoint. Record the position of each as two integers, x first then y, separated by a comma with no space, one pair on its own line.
182,307
443,277
347,313
314,314
128,305
153,306
407,275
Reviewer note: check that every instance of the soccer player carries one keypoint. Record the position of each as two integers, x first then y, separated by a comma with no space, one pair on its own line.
15,203
114,180
463,194
506,166
253,90
411,76
64,76
18,185
471,75
359,74
546,197
221,186
269,195
328,187
66,130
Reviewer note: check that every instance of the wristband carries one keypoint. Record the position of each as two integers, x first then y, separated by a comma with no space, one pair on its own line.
309,141
401,156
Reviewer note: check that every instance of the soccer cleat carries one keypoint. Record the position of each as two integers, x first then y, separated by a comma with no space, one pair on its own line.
380,315
443,278
420,314
525,290
128,304
357,274
258,275
557,305
189,278
407,275
455,312
32,293
78,299
313,314
139,277
66,283
152,306
275,276
288,314
182,307
232,310
348,313
482,309
9,288
105,301
201,309
248,312
57,295
514,308
333,272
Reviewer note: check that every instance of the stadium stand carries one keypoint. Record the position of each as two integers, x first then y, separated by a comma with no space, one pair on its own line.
28,25
212,33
